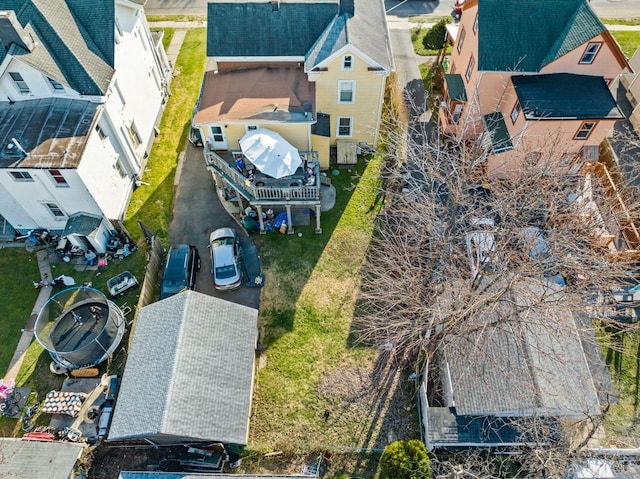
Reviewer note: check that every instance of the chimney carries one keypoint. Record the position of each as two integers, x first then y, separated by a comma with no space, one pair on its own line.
12,32
346,6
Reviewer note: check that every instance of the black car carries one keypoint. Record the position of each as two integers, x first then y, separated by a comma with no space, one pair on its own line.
183,264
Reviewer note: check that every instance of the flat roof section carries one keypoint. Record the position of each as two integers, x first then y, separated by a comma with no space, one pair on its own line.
45,133
260,93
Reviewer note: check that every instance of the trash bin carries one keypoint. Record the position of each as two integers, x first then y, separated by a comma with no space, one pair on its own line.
249,224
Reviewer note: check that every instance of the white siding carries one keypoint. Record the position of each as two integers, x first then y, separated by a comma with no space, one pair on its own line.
33,195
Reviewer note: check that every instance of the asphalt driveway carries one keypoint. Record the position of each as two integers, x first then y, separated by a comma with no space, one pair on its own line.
197,211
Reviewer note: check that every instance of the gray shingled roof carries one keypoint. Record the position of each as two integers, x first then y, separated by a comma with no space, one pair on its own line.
74,45
565,95
189,372
257,29
36,459
522,358
53,131
366,30
511,36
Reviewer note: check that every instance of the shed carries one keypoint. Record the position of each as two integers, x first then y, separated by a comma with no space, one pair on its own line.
37,460
189,375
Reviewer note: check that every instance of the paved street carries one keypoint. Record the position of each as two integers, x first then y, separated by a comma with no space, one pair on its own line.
399,8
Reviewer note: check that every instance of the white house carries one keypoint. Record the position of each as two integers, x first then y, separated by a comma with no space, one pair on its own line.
81,96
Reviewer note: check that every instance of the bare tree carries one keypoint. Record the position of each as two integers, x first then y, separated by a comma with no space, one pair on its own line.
461,259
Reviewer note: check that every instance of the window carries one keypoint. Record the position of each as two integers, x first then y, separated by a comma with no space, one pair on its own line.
347,62
19,81
120,167
216,132
57,87
515,112
344,125
472,63
585,130
590,53
251,127
101,132
475,24
461,39
58,178
452,70
135,137
457,111
55,210
346,91
21,176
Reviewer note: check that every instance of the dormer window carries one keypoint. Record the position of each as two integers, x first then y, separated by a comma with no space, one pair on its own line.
347,62
590,53
56,86
19,82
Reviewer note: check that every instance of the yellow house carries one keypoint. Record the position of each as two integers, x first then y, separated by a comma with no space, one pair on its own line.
530,79
312,71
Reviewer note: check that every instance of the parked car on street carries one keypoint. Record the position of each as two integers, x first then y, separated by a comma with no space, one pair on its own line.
224,245
183,264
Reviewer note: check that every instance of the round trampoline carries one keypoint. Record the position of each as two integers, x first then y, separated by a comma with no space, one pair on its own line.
79,327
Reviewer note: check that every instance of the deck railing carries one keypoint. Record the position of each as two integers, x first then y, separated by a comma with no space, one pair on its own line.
266,192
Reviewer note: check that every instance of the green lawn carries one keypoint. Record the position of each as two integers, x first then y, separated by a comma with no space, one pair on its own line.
18,268
622,353
629,40
152,205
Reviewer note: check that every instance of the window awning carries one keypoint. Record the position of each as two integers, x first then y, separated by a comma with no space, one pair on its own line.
496,133
455,87
452,30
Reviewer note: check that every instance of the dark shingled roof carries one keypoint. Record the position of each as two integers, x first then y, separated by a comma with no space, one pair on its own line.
53,131
455,86
83,224
565,95
259,29
526,35
74,45
315,30
498,132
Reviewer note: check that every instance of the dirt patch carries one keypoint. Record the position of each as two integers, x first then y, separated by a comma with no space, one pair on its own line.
380,400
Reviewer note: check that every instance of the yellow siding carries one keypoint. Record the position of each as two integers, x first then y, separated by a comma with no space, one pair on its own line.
322,144
295,133
369,91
